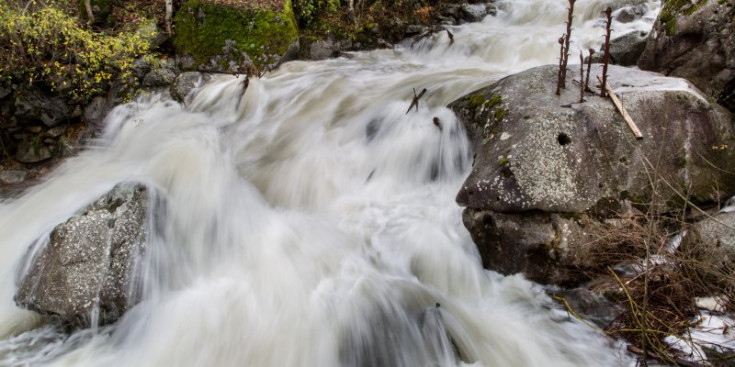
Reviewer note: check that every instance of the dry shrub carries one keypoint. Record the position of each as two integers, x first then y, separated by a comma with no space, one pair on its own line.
657,280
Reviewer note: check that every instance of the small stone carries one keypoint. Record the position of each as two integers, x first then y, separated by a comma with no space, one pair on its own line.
159,78
13,176
55,132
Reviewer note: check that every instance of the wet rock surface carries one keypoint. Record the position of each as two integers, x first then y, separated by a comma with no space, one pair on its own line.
84,274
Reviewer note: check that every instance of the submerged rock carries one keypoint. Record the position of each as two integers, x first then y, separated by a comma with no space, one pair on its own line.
85,272
539,155
696,41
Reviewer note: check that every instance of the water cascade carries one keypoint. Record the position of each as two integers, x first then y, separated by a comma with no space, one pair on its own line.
310,221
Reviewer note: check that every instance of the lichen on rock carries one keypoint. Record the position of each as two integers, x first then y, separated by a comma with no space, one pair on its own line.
85,273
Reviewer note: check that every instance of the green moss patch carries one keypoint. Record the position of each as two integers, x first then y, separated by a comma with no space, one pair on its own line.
672,8
240,35
475,100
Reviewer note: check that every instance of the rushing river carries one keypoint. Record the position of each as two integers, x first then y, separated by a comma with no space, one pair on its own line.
312,221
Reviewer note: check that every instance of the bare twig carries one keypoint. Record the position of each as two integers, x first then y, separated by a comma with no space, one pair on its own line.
415,102
561,65
570,15
606,56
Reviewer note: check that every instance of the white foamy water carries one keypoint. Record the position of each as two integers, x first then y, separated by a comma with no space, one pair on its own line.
311,221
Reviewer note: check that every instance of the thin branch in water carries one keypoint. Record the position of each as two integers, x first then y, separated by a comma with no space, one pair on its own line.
415,102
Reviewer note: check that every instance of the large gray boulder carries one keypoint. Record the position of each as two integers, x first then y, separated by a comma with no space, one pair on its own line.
696,42
543,160
85,273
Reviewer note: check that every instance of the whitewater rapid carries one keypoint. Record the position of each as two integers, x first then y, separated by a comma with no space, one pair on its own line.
310,221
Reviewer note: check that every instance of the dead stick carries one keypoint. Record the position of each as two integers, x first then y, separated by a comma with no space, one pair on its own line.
565,62
621,108
416,100
561,66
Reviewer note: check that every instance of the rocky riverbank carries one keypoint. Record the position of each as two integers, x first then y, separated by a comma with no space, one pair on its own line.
41,124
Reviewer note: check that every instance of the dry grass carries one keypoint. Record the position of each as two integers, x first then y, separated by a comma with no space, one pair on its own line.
656,279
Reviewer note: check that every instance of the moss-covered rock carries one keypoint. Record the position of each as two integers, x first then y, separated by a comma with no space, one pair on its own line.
230,38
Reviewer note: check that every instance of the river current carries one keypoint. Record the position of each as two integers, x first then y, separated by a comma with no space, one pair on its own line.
311,220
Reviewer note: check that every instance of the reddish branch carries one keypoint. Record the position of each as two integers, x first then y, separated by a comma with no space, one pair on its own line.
606,56
564,54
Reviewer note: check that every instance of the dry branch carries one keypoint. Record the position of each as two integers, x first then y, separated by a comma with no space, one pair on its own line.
415,102
631,124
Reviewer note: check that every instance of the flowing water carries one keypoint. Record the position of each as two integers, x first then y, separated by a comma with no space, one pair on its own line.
310,221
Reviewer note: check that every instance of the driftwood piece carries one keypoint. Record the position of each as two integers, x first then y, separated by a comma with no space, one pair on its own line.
623,111
415,101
